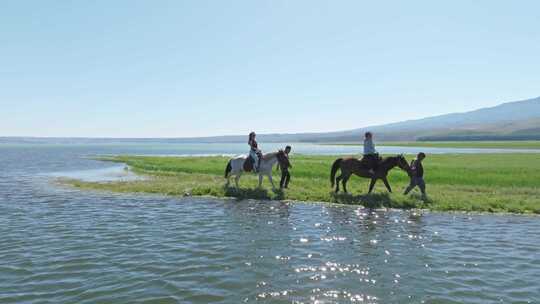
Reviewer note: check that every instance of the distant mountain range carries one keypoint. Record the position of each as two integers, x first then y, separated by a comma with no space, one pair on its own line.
518,120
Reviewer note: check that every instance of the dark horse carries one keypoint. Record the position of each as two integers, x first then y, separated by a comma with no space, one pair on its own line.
351,166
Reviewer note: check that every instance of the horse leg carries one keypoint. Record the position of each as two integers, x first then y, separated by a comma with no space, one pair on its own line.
385,181
260,180
271,181
338,180
372,184
345,180
236,179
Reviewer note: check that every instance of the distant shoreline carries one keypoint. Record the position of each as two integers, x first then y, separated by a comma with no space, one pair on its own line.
504,145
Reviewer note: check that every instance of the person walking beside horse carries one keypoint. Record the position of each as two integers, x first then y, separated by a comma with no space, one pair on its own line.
417,175
284,167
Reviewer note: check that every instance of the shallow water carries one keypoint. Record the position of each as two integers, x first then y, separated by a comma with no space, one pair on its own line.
110,174
61,245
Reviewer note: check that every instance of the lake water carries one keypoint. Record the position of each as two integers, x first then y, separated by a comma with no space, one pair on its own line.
61,245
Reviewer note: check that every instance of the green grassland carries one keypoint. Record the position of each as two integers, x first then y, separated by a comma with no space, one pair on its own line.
528,144
479,182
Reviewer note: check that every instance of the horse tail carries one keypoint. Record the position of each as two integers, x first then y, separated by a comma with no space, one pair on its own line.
335,167
228,169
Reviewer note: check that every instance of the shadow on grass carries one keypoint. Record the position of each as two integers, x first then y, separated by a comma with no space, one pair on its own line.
253,193
377,200
374,200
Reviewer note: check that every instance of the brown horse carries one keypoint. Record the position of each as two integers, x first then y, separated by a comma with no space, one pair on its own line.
351,166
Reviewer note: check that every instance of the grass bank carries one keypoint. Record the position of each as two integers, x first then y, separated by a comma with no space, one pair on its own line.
479,182
529,144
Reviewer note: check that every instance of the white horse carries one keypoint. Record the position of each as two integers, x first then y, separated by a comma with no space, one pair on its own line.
235,167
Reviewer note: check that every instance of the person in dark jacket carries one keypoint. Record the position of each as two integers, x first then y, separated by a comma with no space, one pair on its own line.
417,175
285,175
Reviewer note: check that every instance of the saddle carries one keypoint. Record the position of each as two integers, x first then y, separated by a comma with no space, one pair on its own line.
248,164
370,161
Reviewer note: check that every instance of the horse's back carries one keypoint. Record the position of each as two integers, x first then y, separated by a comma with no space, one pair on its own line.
350,160
237,163
240,156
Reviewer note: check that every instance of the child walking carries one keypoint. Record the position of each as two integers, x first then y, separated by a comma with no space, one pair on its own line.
417,176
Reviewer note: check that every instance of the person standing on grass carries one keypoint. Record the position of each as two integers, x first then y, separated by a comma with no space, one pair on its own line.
417,175
285,175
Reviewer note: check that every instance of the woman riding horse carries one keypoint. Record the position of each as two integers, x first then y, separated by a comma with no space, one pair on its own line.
254,151
235,166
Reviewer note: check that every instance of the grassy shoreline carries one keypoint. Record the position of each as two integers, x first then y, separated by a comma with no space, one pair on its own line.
476,182
526,144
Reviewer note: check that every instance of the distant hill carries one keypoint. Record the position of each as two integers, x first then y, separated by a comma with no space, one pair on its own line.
508,121
518,120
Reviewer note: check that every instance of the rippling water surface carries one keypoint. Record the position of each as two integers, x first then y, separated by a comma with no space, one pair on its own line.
61,245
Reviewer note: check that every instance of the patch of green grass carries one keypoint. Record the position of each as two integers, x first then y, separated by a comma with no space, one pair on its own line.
478,182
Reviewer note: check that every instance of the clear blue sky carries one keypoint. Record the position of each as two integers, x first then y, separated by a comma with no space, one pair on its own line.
179,68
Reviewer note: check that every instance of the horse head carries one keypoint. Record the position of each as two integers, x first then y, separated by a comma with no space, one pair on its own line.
402,163
281,157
